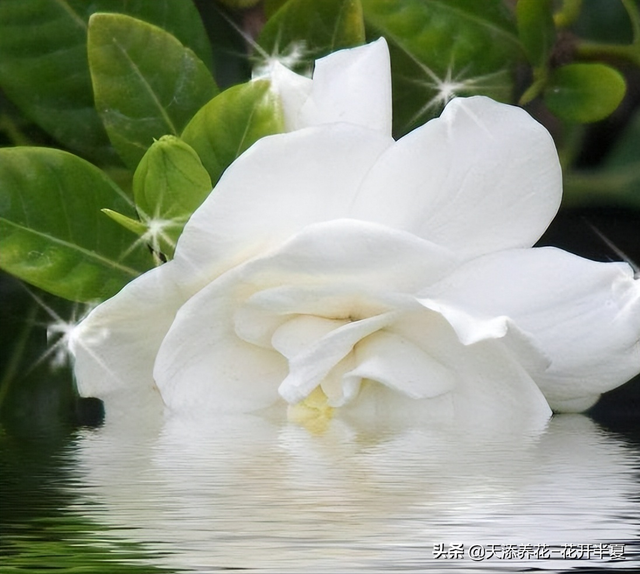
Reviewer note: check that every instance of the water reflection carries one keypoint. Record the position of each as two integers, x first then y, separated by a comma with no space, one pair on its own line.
247,493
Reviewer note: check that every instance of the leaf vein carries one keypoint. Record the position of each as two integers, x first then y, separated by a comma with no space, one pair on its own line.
72,246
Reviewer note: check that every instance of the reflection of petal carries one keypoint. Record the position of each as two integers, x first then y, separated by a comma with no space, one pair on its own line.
246,493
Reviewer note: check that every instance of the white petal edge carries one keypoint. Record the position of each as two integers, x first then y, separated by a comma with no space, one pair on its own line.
490,378
483,177
489,384
584,315
115,347
293,90
472,328
203,368
308,368
279,186
400,364
209,359
352,86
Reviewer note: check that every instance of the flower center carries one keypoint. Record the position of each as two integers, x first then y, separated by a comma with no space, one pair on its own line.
313,412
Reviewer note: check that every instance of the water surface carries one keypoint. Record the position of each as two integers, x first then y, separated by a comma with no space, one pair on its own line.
253,495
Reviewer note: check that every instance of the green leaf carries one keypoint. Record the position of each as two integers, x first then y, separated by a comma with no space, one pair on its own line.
584,93
536,29
441,49
168,186
231,122
179,18
52,233
44,68
302,31
272,6
146,83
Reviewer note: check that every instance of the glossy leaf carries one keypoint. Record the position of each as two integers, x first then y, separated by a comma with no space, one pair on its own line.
302,31
536,29
52,233
231,122
584,93
44,68
168,186
441,49
179,18
146,83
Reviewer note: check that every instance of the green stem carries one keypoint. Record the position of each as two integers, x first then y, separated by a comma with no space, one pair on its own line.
597,50
540,77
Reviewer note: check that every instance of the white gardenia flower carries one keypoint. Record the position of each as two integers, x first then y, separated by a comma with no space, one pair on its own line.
343,273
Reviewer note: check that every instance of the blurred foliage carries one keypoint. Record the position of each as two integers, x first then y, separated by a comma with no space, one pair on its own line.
114,124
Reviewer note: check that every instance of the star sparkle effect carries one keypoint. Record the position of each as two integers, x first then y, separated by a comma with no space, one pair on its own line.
59,331
450,85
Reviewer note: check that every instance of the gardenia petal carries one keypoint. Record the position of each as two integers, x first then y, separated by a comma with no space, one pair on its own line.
350,86
483,177
116,345
278,187
399,364
293,90
584,315
487,382
332,266
208,361
207,364
203,367
354,252
308,368
472,327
